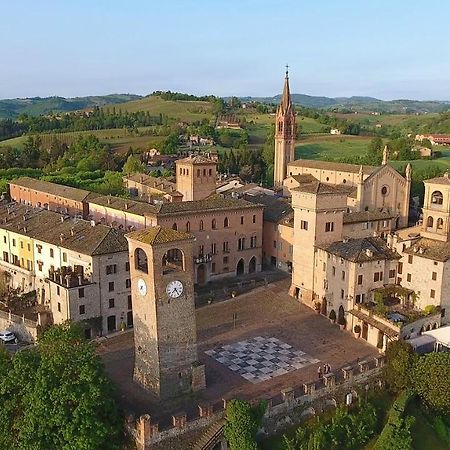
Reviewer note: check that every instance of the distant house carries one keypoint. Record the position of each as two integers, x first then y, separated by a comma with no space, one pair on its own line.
425,152
230,122
335,131
435,139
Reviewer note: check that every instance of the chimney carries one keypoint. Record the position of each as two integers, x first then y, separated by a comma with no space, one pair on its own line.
61,238
126,205
369,252
80,280
108,200
68,280
62,218
72,232
92,223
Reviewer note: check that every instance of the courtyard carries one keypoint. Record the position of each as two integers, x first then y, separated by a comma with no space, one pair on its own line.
252,346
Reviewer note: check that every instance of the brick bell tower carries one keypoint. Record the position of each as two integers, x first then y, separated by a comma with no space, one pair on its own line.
165,332
285,135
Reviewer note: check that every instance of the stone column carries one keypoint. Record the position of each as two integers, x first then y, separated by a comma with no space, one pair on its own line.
179,420
347,372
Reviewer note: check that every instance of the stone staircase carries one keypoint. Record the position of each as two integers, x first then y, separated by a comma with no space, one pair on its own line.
210,436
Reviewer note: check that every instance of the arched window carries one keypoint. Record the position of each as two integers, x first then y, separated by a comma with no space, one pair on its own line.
430,222
173,261
213,224
140,260
225,222
201,225
198,172
204,172
188,226
210,172
437,198
439,224
280,127
175,227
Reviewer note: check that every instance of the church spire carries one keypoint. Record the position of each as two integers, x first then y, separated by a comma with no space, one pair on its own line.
286,102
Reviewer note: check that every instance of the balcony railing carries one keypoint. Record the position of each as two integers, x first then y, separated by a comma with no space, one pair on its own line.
201,259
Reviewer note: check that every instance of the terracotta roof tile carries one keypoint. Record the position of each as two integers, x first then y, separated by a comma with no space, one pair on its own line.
159,235
330,165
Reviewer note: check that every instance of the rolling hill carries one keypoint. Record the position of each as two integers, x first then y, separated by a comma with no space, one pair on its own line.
12,108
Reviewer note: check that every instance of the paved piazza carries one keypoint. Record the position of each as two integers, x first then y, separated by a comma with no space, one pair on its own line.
264,320
261,358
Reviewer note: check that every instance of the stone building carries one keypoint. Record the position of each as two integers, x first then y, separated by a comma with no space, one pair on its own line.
79,270
151,189
51,196
196,177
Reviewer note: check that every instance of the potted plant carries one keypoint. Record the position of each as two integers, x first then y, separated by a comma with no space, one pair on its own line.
122,326
342,323
332,316
357,330
317,307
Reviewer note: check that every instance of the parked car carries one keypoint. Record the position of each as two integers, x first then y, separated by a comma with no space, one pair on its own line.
8,337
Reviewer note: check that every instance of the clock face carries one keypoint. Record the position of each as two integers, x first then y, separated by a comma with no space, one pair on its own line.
174,289
142,287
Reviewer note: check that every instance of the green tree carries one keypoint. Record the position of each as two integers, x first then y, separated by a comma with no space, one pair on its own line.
242,424
133,165
57,397
431,380
375,151
400,358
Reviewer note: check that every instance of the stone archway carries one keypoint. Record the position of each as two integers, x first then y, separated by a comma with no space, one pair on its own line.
252,265
201,274
240,267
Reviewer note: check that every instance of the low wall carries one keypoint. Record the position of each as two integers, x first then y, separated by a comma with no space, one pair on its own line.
288,408
26,330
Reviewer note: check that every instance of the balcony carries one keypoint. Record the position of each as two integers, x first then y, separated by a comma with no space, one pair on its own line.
203,259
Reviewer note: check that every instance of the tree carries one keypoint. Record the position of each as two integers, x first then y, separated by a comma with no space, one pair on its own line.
133,165
400,358
375,151
242,424
431,380
56,396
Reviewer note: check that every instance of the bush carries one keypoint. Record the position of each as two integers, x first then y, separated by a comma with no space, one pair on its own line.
400,357
332,315
357,329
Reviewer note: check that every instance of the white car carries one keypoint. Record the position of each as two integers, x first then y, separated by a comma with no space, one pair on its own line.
8,337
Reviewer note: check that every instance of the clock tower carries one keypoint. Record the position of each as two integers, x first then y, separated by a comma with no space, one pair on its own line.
165,333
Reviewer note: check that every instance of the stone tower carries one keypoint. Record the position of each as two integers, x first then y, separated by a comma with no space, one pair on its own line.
196,177
285,135
165,334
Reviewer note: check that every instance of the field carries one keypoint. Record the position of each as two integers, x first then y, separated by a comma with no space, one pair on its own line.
186,111
331,147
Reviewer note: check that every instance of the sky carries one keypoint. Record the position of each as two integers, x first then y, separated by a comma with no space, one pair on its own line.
387,49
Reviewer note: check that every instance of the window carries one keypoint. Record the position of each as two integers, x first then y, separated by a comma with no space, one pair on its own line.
80,292
303,225
40,265
213,267
214,224
57,290
439,224
128,283
253,242
358,298
400,268
410,259
437,198
64,257
434,276
111,268
225,247
39,248
378,276
342,293
21,244
334,271
198,172
14,243
225,259
213,248
225,222
204,172
360,279
111,303
210,172
52,254
254,218
329,226
201,225
408,277
399,280
274,244
201,249
242,220
175,227
127,266
82,309
111,286
28,247
59,307
241,243
188,226
392,273
130,302
432,293
291,248
343,275
324,267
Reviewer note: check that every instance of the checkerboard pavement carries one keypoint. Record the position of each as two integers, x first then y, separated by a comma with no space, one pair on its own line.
261,358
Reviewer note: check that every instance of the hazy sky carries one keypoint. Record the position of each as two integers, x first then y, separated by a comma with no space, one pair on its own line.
385,48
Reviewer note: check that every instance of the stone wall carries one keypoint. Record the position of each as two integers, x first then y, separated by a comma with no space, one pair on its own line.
288,408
